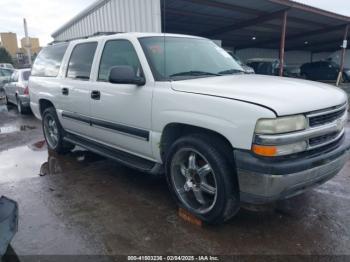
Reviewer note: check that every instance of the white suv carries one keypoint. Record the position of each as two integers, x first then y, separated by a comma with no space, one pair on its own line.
182,106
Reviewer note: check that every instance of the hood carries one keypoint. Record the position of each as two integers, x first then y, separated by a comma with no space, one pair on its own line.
285,96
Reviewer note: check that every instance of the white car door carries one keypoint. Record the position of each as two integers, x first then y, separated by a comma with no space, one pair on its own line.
75,88
121,113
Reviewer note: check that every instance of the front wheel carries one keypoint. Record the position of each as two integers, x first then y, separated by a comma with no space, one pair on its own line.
54,132
202,180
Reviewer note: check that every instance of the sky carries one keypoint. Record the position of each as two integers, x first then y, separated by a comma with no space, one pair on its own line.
45,16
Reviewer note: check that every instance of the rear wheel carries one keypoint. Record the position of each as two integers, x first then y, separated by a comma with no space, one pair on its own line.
54,132
202,180
6,100
19,106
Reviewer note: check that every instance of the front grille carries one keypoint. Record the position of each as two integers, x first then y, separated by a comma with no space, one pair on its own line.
322,139
326,118
322,118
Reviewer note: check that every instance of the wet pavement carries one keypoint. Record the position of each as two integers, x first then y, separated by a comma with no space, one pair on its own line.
82,203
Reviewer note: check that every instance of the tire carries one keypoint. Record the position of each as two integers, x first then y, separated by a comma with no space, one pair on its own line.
211,206
21,110
6,100
54,132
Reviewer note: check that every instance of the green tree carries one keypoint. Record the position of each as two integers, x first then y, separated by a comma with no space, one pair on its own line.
5,57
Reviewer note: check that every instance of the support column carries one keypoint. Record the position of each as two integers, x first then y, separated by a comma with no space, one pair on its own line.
283,42
343,53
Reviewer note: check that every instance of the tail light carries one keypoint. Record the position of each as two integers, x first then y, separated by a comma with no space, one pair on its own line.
26,90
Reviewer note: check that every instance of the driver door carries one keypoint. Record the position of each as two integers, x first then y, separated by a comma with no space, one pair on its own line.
121,113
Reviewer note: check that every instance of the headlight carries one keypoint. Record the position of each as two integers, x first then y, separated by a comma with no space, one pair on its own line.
281,125
277,126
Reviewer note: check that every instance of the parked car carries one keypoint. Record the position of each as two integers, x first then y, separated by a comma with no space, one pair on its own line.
5,75
16,90
247,69
291,71
336,58
323,70
264,66
6,65
220,137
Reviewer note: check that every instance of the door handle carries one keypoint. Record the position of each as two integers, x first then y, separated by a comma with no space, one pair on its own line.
65,91
96,95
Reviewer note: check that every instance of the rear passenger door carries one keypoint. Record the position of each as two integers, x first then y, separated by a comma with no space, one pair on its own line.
121,116
76,87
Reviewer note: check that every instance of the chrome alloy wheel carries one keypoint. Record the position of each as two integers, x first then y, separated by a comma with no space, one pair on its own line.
51,131
194,180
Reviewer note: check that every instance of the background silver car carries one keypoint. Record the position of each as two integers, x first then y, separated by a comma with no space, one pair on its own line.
16,90
5,75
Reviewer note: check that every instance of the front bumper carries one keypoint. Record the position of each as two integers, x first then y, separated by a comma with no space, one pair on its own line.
266,180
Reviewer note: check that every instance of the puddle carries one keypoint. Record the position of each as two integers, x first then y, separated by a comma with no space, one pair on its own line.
75,160
12,129
32,160
20,163
3,108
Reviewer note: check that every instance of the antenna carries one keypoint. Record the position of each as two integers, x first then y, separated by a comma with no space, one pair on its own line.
28,45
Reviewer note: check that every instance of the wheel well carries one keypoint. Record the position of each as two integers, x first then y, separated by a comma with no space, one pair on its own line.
174,131
44,104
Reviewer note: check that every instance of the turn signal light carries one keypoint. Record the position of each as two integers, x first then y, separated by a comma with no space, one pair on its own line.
265,150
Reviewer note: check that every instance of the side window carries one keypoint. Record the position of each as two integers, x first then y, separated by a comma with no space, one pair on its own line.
81,59
48,62
118,53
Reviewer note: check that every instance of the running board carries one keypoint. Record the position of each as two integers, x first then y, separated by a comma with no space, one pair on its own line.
122,157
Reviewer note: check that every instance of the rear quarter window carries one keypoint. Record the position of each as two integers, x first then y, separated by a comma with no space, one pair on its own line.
49,60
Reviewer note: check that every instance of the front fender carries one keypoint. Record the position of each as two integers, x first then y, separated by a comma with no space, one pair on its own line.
235,120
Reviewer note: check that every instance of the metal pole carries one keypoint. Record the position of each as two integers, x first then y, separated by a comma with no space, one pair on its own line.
344,46
283,42
27,47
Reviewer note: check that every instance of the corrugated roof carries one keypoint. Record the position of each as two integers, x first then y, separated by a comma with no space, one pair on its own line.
256,23
248,23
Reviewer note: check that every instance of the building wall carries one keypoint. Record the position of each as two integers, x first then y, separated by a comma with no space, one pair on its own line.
320,56
9,42
113,16
33,43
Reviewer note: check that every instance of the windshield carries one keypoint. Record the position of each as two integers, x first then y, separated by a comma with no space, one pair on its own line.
179,58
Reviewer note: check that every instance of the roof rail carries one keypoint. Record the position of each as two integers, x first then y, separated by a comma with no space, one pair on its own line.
85,37
105,33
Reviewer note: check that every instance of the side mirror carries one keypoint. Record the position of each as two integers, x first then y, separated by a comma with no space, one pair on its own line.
125,75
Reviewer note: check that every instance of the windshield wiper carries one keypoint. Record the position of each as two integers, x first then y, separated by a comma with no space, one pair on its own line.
231,71
195,73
